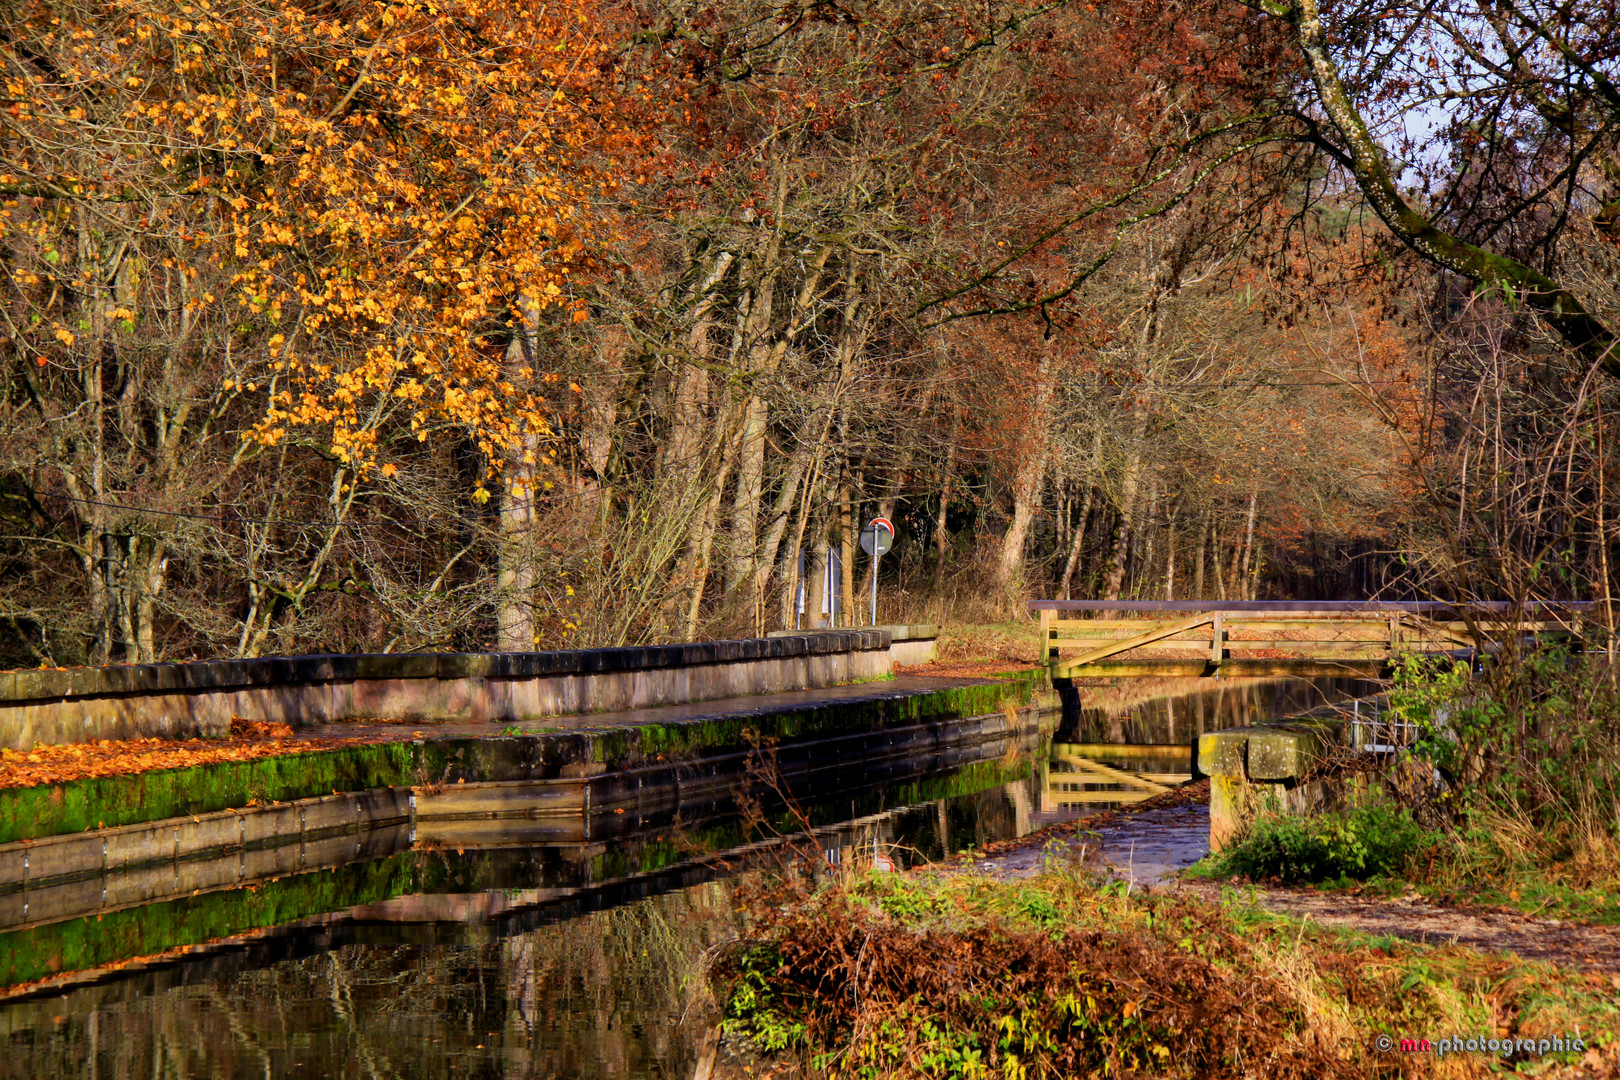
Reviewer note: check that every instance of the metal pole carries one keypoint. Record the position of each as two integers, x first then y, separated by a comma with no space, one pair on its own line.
874,579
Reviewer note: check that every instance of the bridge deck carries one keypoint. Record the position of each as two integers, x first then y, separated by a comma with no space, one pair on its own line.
1272,637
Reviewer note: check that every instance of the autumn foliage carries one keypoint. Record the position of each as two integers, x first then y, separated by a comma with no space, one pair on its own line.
122,757
371,326
371,194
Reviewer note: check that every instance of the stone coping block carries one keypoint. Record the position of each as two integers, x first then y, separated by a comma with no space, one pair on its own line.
911,631
1247,765
54,684
1275,752
896,631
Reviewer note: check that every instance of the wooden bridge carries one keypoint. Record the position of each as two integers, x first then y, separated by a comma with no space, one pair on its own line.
1356,638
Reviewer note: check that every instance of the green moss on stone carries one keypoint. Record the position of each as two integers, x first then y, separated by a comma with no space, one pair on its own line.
80,944
110,801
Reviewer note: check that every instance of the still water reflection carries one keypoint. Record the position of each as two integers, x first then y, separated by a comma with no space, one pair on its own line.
485,951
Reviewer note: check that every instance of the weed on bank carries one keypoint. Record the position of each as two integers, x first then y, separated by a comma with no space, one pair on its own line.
960,975
1521,796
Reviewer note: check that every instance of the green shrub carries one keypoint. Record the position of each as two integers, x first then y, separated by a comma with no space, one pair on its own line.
1368,841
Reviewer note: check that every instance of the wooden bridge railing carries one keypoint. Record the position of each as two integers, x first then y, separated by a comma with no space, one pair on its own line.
1312,631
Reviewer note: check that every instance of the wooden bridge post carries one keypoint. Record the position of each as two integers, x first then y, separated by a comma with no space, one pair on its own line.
1394,637
1217,647
1047,653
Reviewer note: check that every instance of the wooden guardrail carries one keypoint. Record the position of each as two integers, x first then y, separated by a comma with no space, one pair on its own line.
1217,632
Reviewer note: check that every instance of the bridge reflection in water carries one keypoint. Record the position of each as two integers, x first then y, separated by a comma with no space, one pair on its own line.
1121,743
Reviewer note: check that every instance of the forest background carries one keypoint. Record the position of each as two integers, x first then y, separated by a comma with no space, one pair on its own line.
355,326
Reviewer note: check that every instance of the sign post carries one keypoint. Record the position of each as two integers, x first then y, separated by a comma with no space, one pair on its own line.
876,538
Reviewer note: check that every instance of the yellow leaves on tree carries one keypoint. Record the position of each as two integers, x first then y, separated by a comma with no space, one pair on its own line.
381,186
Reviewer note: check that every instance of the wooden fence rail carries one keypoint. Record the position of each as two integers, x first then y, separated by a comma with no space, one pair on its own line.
1359,637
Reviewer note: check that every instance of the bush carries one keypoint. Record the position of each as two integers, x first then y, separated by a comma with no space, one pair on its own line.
1372,840
1537,734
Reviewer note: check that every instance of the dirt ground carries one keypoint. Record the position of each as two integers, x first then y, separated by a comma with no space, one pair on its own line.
1415,918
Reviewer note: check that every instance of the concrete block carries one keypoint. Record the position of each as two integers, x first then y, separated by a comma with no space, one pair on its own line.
416,665
139,844
283,670
1286,753
167,678
561,662
25,686
86,682
311,669
376,666
345,666
1231,808
1223,753
500,799
278,822
468,665
119,679
54,684
208,675
260,671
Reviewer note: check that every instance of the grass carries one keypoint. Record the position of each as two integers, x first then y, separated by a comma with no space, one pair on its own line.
959,975
1518,765
1004,641
1497,857
1371,841
1378,848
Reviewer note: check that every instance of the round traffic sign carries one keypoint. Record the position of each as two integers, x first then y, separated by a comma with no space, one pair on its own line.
875,541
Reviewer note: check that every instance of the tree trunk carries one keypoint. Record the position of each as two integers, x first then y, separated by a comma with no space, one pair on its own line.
1198,564
1077,543
1030,478
941,540
805,459
816,585
151,584
701,543
601,407
1122,527
1242,578
1170,558
790,558
514,578
846,555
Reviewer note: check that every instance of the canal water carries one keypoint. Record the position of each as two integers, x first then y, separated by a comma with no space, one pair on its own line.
529,949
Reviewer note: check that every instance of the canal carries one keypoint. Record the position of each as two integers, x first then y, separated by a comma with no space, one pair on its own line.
541,948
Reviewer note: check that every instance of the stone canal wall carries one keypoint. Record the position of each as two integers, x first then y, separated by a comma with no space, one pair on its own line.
108,840
191,699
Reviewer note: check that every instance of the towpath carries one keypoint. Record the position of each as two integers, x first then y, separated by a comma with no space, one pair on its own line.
1150,842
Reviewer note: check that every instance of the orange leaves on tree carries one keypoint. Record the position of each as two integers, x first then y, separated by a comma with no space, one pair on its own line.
380,186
